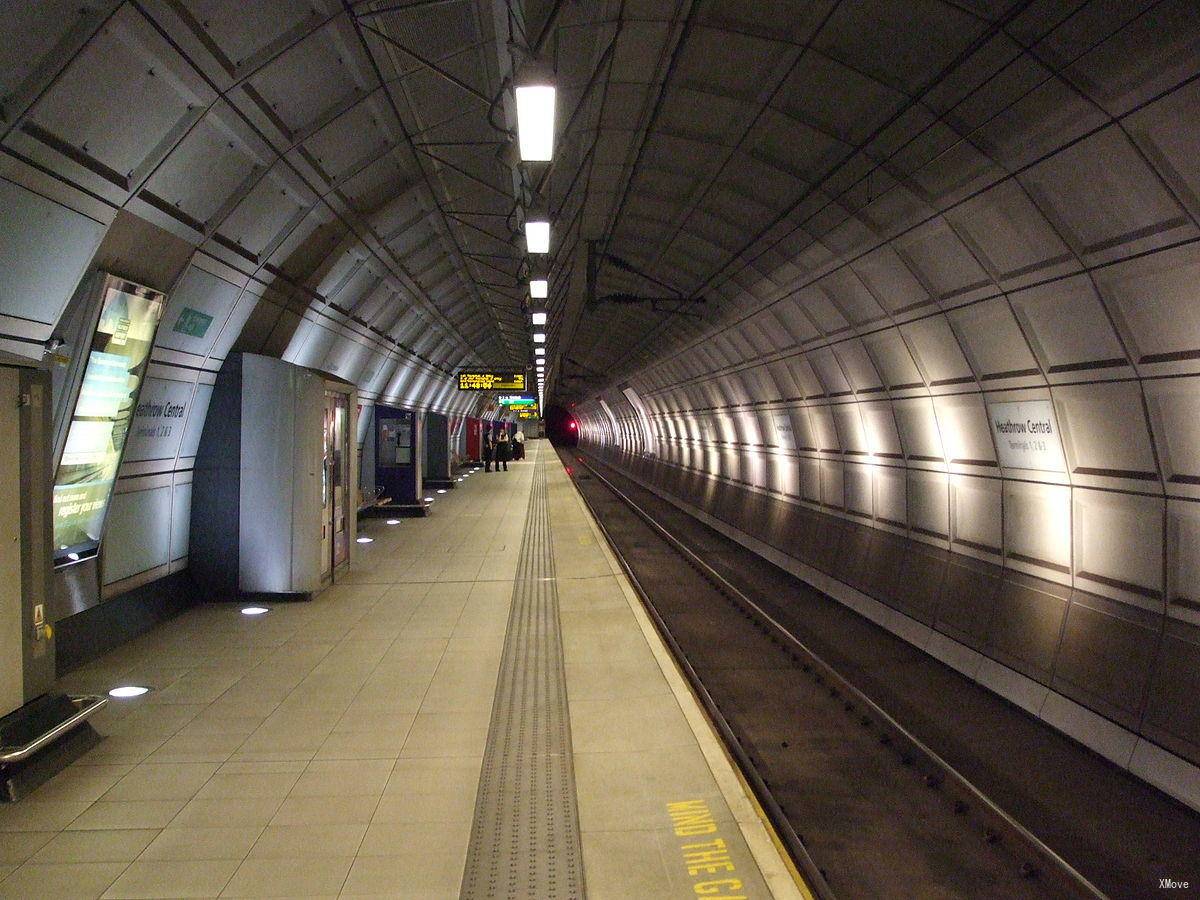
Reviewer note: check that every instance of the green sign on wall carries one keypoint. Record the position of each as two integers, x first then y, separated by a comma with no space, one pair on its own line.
192,322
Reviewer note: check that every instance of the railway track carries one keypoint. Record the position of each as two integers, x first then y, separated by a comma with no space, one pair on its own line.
863,805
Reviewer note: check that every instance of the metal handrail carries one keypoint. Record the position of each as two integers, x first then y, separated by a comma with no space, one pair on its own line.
87,703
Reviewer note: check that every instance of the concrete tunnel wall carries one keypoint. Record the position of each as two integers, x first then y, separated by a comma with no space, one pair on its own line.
121,154
862,393
256,172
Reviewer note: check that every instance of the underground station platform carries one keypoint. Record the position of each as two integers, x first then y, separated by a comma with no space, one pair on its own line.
480,707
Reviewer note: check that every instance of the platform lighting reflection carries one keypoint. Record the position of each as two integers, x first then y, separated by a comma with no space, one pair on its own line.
535,119
537,236
365,540
129,690
255,610
539,289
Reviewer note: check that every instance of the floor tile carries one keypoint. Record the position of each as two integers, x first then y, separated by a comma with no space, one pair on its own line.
172,781
128,814
339,778
325,811
228,812
158,878
120,845
40,815
187,843
404,876
18,846
296,877
292,841
58,881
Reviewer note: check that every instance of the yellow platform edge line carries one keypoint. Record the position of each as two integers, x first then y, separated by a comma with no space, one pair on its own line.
775,864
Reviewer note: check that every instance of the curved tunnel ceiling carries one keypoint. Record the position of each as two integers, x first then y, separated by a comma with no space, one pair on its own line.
848,165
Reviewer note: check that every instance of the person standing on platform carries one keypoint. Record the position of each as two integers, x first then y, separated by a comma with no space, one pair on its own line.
489,451
503,451
519,444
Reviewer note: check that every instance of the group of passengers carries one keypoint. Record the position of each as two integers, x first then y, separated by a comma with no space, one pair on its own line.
501,448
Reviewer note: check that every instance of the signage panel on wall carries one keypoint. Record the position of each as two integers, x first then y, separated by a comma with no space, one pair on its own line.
784,434
491,381
192,322
1026,435
158,420
104,411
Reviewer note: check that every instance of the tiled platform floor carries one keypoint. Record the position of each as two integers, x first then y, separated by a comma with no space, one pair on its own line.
333,748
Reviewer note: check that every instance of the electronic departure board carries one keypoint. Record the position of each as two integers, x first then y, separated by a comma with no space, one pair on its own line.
517,402
527,414
491,381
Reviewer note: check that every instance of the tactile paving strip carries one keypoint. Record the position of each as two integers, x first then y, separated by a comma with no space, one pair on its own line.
525,836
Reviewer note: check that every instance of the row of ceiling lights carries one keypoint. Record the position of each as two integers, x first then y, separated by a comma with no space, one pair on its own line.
535,97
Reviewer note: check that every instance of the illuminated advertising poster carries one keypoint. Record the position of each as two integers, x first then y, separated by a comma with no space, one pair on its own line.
104,408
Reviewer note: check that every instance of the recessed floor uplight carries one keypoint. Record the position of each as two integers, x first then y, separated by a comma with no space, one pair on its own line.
365,540
128,690
393,521
255,610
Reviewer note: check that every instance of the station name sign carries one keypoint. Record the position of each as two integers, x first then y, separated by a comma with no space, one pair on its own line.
491,381
1026,435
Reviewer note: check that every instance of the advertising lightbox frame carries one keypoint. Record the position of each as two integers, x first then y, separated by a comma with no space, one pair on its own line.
96,427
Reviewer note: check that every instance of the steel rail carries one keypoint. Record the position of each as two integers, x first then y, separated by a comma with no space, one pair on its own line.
1000,821
811,873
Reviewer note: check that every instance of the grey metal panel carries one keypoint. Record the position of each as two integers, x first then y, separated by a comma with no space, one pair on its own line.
213,546
1027,625
266,484
1172,713
1106,656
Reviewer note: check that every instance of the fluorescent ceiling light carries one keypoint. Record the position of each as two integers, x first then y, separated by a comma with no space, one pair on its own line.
539,351
539,289
365,540
428,499
393,521
255,610
538,318
441,490
535,122
539,337
537,236
129,690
